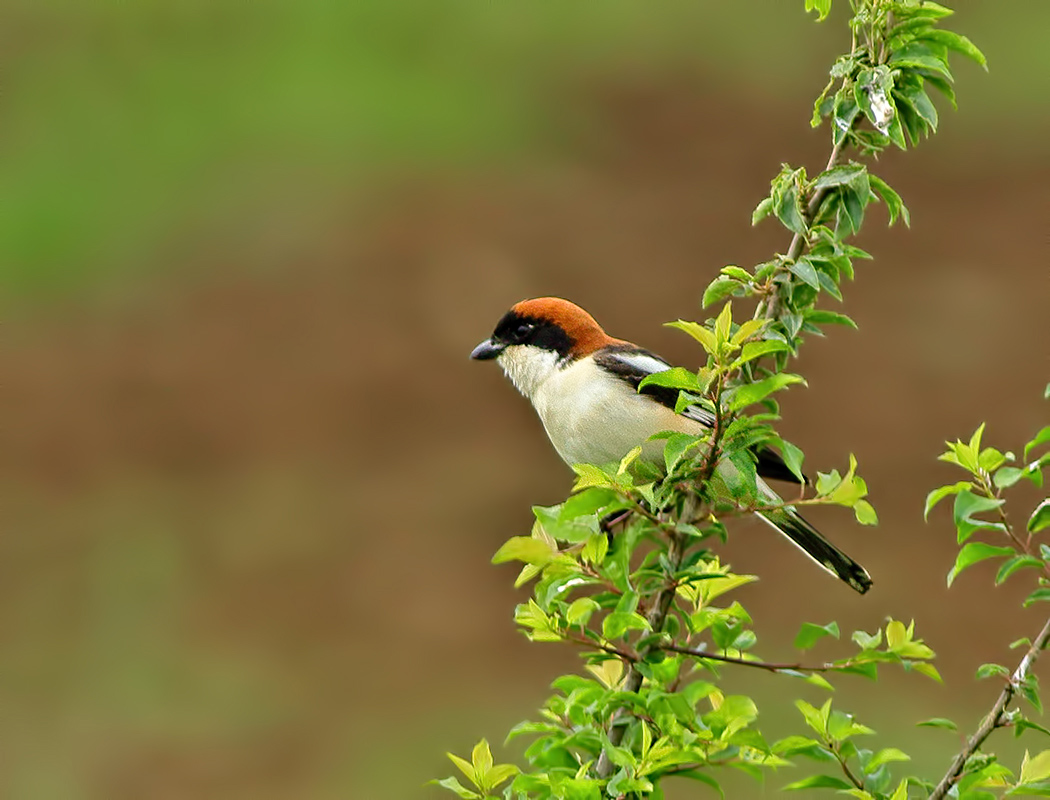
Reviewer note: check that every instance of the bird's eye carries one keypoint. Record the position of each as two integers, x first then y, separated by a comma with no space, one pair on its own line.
523,330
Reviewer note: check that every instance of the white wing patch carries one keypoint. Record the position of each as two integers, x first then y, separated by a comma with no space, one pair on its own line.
642,361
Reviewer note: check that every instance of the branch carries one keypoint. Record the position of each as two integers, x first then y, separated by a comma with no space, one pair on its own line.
624,655
771,310
994,719
768,666
656,617
798,240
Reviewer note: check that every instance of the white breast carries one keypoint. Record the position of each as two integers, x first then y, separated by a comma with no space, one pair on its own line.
590,415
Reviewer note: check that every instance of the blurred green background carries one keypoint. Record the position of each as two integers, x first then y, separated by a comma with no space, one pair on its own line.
252,483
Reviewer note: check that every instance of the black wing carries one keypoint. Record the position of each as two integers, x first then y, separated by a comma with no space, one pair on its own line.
632,364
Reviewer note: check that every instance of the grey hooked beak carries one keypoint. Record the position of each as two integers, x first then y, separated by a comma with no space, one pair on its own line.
488,349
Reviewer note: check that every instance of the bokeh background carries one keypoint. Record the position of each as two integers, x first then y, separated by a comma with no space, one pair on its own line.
252,482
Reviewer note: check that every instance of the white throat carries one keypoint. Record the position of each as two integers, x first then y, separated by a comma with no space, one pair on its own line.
529,367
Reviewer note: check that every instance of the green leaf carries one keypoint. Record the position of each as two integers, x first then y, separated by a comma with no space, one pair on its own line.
842,727
540,627
967,504
822,7
1040,438
843,175
1029,690
991,459
1022,724
580,610
895,132
851,209
1005,477
816,719
915,96
792,455
809,634
751,393
788,207
803,268
762,210
524,548
589,475
464,766
845,114
747,330
958,43
1012,565
819,782
792,323
885,756
819,680
897,634
698,332
1035,768
974,552
827,482
724,323
595,548
736,272
674,378
920,55
865,513
934,497
938,722
500,773
720,288
801,745
618,623
1038,596
820,317
585,503
678,446
1040,517
923,668
894,205
453,785
867,641
753,350
734,714
924,10
991,670
481,758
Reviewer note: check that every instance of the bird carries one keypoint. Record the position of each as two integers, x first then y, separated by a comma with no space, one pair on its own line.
584,383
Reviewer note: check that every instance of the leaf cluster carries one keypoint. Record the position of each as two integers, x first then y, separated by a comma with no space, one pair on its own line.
625,570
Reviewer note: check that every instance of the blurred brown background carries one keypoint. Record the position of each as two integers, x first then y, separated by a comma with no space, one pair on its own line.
252,482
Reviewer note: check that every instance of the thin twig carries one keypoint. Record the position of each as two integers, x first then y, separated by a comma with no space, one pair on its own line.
994,719
582,641
846,770
768,666
1025,545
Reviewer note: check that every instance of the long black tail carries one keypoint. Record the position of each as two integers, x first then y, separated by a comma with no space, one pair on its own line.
790,523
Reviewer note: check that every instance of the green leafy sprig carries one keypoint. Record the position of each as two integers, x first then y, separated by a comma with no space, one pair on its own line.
624,568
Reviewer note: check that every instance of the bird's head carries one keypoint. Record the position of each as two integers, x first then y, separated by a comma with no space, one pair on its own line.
537,336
